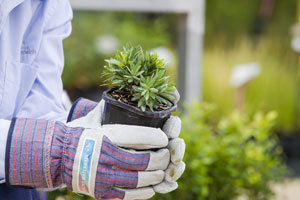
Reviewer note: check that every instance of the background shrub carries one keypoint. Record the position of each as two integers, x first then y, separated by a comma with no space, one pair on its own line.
238,155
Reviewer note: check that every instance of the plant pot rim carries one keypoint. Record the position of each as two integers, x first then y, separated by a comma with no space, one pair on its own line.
146,113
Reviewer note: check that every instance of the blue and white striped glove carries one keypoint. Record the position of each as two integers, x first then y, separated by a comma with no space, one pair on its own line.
88,160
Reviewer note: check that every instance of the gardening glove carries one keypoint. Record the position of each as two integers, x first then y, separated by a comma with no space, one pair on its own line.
88,160
171,128
176,147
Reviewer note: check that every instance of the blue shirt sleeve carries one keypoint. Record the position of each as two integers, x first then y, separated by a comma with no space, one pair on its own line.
4,126
45,97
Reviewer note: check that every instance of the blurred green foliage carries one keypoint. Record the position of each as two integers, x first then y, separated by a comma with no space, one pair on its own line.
234,19
274,89
229,40
235,156
65,194
84,63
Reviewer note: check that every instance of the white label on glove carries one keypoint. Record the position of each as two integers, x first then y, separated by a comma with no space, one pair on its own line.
86,162
85,165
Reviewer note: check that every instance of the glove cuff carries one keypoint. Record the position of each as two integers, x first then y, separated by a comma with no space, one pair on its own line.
40,153
80,108
62,155
28,153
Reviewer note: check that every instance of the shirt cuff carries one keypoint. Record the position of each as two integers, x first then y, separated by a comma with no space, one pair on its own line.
4,127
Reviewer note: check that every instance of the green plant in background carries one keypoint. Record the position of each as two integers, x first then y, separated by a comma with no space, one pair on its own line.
274,89
234,156
139,77
226,37
65,194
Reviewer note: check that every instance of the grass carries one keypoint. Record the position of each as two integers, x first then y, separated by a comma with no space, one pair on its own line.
274,89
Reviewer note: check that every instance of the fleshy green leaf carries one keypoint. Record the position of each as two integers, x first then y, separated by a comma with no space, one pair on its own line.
139,75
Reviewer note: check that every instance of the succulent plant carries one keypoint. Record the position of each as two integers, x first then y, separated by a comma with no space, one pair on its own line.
139,77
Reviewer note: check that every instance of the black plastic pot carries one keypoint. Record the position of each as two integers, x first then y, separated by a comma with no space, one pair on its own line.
117,112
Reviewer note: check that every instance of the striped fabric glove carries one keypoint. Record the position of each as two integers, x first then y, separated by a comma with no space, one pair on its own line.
80,108
48,154
89,112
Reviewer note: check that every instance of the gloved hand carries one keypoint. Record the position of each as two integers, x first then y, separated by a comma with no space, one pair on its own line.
86,158
93,112
176,147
